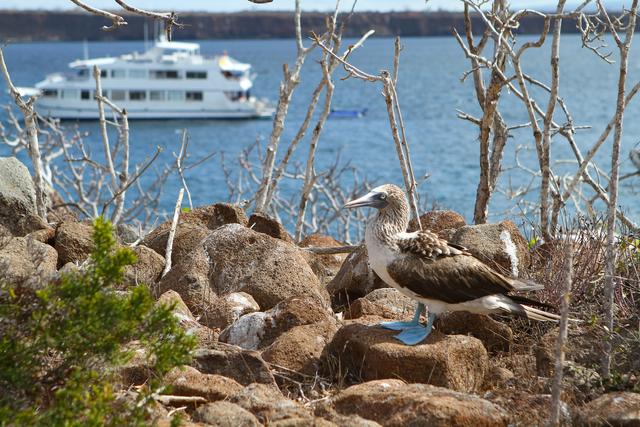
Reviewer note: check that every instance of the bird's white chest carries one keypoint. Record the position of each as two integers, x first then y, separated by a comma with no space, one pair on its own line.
380,256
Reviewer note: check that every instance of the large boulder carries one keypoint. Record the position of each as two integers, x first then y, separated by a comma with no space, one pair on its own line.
225,414
244,366
439,222
188,381
268,269
370,352
258,330
23,260
354,280
325,266
268,404
18,198
74,242
618,409
500,245
300,349
391,402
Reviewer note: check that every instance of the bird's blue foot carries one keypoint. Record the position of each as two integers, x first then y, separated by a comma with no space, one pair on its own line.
413,336
416,334
401,326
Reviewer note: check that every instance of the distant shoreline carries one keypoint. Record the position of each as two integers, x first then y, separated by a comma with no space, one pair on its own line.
41,25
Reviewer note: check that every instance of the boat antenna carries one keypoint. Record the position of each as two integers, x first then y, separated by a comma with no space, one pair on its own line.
85,49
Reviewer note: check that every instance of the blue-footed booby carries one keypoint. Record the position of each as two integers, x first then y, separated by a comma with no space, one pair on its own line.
439,275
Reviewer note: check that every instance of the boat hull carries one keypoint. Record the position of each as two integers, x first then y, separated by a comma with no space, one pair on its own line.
155,114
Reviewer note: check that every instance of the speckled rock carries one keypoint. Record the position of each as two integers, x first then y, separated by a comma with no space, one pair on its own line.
438,221
500,245
244,366
392,403
26,260
385,302
366,350
324,266
225,414
205,336
268,404
146,270
74,242
18,198
188,381
495,336
300,348
618,409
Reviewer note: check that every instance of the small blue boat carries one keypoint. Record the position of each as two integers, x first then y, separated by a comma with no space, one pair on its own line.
347,114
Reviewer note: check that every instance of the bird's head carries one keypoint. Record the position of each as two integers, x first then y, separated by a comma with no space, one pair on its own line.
382,198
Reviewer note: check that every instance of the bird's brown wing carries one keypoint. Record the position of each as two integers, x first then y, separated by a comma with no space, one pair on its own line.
434,269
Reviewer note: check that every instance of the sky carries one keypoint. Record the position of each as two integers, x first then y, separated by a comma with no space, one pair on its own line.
239,5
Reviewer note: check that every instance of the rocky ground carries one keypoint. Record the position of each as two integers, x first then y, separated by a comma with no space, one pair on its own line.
289,338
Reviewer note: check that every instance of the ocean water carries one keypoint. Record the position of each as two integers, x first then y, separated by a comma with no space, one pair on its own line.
430,92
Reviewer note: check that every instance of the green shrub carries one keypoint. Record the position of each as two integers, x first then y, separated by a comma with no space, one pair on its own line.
61,346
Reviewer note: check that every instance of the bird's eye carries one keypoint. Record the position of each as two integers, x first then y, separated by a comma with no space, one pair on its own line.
383,196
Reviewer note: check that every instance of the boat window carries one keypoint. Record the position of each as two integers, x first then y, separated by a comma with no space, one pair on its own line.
49,93
103,74
69,94
83,72
156,95
194,96
175,95
196,74
137,95
118,74
138,74
118,95
164,74
85,94
237,96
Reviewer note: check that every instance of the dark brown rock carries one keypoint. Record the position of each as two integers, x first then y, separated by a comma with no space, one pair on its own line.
74,242
500,245
438,221
391,402
368,351
300,348
188,381
225,414
268,404
263,223
497,376
354,280
58,211
618,409
244,366
304,422
146,270
495,336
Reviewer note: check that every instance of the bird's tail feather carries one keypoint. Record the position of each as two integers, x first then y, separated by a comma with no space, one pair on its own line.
543,316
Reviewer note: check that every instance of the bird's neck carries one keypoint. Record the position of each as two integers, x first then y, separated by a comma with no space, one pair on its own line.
388,223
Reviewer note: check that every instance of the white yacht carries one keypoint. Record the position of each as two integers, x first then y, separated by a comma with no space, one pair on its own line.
169,81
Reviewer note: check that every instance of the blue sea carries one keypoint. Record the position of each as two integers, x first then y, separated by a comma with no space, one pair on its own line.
430,91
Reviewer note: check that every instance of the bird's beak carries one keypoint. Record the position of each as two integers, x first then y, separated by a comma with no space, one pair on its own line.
366,200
